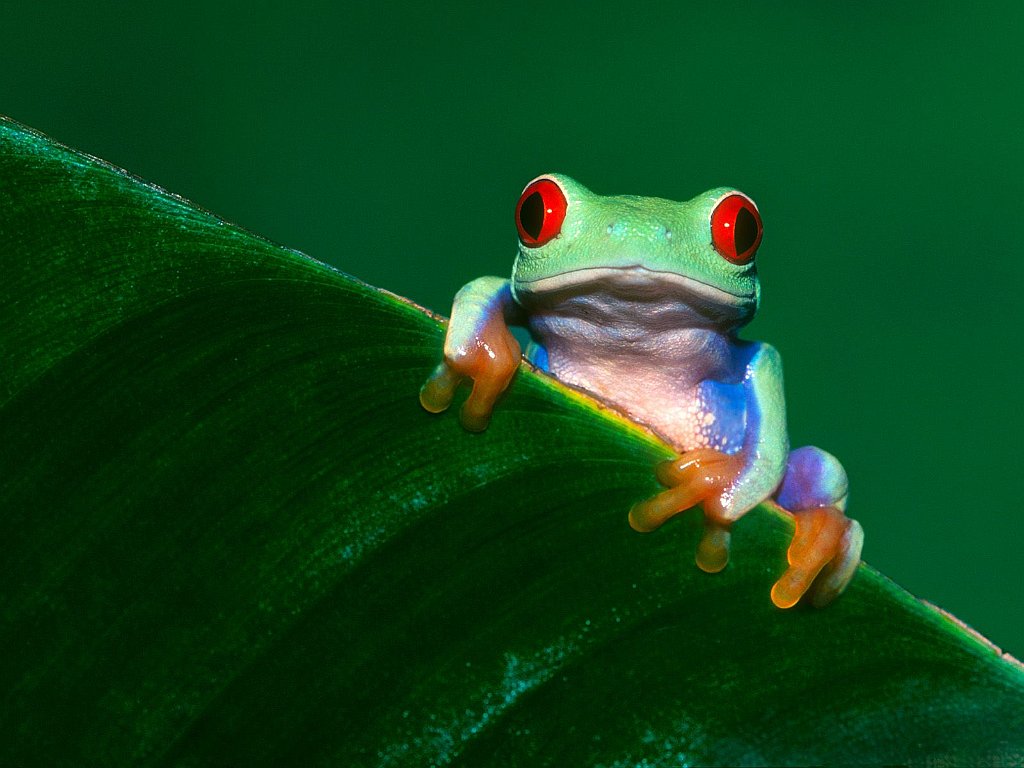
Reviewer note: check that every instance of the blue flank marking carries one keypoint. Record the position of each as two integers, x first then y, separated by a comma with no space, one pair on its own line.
538,356
728,402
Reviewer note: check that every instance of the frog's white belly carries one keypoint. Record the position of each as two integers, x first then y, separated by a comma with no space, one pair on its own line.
657,376
681,414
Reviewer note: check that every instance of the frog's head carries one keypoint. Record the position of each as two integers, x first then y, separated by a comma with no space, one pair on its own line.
700,253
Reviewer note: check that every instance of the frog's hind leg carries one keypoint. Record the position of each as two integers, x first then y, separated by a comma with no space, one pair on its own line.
825,550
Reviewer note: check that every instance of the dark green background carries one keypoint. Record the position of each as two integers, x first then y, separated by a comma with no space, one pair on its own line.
882,144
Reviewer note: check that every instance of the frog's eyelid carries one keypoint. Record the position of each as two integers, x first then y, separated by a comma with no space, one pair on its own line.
729,192
544,176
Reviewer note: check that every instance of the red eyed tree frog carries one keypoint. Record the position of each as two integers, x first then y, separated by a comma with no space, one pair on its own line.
637,301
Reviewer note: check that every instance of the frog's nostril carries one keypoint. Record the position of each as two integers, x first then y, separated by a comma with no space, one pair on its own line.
617,228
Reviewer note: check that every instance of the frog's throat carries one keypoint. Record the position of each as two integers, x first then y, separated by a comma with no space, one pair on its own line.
628,279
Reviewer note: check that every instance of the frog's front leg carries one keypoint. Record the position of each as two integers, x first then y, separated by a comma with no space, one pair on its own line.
703,476
478,346
728,485
825,550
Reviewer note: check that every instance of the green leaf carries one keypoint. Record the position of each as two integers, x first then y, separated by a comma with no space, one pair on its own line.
232,536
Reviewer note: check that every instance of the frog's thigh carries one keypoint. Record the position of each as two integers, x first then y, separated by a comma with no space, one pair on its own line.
814,478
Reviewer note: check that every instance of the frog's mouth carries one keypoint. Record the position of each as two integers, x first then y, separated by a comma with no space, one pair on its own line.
640,285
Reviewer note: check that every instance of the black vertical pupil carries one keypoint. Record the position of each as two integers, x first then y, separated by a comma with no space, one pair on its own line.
745,233
531,215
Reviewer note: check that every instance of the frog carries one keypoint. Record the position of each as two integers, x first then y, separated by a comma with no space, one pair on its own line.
638,302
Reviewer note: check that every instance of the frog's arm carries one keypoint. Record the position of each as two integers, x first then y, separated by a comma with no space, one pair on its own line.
765,441
728,484
479,304
478,346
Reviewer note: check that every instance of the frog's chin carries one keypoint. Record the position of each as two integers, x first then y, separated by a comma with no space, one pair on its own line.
639,285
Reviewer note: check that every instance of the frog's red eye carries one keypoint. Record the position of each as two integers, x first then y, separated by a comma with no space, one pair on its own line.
736,228
540,213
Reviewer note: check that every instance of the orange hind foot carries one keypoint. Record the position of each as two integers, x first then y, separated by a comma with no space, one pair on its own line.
823,557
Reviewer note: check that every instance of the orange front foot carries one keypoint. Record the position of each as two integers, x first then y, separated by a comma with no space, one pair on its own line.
703,476
489,357
823,557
